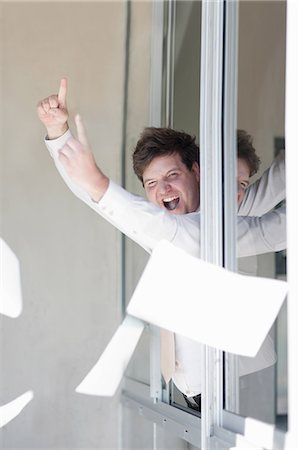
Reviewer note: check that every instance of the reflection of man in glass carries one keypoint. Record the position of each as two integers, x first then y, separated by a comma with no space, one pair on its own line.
167,164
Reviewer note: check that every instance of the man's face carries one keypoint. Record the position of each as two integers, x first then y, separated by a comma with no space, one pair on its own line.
171,185
242,179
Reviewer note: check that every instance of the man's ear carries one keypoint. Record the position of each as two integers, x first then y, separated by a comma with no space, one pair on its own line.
196,169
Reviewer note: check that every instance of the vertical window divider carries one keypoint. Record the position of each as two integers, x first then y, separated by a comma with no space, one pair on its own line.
230,83
171,11
211,201
156,101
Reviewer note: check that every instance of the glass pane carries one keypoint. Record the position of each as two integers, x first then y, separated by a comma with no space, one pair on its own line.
138,100
184,100
187,67
261,382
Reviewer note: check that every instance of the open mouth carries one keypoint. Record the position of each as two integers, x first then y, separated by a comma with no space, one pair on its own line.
171,203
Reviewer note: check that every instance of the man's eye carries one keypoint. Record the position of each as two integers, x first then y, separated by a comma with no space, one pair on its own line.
172,175
150,184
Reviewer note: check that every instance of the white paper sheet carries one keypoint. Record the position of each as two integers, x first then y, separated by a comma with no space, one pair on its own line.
105,377
10,282
12,409
206,303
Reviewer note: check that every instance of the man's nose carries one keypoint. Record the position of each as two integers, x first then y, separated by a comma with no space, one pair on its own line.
164,186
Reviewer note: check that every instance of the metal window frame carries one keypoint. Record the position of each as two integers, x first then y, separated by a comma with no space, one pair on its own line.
218,124
230,84
211,201
184,425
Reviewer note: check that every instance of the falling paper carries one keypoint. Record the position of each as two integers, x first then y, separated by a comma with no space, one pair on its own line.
12,409
105,377
206,303
265,357
10,282
11,305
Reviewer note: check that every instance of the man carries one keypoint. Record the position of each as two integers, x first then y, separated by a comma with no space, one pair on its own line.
172,186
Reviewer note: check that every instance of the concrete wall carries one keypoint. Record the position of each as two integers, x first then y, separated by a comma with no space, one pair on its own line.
69,256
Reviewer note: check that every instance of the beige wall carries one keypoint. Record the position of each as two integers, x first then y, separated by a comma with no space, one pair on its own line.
69,256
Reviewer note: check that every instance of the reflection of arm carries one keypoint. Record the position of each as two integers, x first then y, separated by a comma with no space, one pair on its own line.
264,234
140,220
267,191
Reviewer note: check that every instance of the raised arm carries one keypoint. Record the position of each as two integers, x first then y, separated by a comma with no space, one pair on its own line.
74,160
267,191
140,220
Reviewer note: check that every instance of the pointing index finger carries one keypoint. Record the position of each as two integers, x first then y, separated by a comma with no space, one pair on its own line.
62,92
80,130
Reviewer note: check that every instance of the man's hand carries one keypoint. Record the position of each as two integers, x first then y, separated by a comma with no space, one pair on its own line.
77,159
53,113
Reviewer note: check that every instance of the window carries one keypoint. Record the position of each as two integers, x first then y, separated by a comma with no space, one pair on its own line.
223,69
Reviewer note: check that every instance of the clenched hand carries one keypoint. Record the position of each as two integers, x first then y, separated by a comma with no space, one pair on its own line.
52,112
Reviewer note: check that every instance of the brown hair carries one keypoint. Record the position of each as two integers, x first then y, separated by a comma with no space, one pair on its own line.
155,142
246,151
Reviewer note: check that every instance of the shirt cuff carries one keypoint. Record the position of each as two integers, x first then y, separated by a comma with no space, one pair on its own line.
53,145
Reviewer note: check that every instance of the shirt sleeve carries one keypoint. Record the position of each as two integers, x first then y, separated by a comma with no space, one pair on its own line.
53,145
264,234
140,220
267,192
